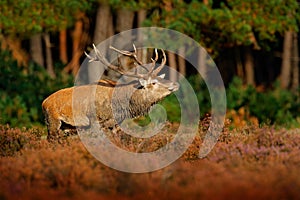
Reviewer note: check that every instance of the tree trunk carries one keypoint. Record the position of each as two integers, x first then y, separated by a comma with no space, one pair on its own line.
110,26
181,61
49,61
141,16
202,68
205,2
124,20
285,75
63,52
36,49
104,24
239,64
78,40
103,29
173,66
77,34
295,62
249,66
14,45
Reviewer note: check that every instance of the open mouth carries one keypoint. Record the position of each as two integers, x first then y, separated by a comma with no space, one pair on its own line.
174,87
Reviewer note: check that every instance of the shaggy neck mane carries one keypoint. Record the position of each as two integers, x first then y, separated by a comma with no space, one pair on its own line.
110,83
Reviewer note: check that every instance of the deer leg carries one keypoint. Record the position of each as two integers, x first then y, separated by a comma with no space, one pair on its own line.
53,125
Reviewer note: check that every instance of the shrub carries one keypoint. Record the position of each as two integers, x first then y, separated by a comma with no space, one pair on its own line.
172,105
275,105
12,140
24,90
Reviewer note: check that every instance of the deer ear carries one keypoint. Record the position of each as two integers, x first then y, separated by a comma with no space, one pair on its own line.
162,76
143,82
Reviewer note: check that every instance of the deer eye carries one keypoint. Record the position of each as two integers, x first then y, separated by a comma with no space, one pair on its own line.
154,81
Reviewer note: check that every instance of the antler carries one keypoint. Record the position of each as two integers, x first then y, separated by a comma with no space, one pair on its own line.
158,69
99,57
151,73
128,53
153,61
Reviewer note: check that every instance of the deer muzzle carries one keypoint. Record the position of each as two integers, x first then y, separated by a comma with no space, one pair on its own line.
173,87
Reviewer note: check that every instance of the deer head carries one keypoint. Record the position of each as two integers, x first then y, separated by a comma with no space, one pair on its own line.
146,80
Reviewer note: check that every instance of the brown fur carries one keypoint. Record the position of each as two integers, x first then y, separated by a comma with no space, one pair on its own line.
111,103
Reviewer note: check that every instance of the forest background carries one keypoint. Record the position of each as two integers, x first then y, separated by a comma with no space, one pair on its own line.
254,44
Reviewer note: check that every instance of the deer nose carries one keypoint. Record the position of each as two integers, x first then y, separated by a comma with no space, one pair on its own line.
174,86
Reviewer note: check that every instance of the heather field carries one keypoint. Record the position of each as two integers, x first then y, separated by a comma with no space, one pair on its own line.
247,163
174,62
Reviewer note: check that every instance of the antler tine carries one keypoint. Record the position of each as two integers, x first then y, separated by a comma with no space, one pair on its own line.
153,61
89,57
128,53
134,48
99,57
164,60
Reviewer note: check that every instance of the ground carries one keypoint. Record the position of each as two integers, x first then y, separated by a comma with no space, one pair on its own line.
249,162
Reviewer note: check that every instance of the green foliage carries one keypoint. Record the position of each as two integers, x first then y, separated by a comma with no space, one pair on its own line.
24,91
173,108
273,106
29,17
263,18
133,4
229,23
202,94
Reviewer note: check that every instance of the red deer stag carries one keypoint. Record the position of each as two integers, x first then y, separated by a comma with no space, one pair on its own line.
133,99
